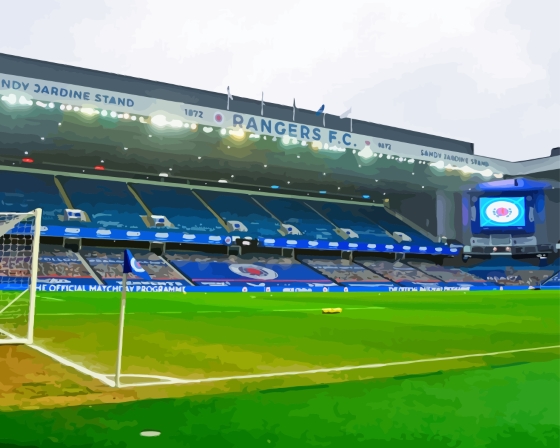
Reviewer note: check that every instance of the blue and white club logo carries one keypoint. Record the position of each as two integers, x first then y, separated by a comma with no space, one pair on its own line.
136,268
253,271
502,212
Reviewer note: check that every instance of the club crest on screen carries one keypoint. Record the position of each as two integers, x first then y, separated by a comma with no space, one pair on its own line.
502,211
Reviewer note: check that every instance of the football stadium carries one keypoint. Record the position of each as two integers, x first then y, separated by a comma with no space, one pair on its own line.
389,287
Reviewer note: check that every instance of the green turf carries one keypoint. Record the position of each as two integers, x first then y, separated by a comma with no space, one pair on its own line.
508,400
513,406
201,335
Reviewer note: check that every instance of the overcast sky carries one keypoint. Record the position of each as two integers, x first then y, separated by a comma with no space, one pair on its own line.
483,71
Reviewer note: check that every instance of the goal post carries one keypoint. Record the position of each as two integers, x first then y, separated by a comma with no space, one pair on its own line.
19,265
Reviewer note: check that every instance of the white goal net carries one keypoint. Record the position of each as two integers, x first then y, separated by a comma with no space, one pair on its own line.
19,256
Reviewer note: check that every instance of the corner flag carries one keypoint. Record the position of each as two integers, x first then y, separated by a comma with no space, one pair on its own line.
131,266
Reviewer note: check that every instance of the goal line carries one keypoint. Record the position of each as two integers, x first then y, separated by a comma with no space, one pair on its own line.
162,380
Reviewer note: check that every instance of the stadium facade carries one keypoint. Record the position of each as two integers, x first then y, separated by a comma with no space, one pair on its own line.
86,145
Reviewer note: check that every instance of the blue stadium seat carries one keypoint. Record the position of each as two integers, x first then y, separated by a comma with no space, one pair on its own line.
512,272
348,216
399,272
393,224
109,204
445,273
309,223
240,207
345,272
23,192
553,281
182,208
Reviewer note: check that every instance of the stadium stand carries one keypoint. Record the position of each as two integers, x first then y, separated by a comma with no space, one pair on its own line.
181,207
23,192
446,274
511,272
59,265
553,281
247,270
346,272
398,272
108,264
349,217
109,204
292,212
393,224
240,207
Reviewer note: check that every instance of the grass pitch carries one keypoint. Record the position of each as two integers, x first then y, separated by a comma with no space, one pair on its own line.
506,400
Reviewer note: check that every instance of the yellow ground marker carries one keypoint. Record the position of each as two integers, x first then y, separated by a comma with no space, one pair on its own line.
332,310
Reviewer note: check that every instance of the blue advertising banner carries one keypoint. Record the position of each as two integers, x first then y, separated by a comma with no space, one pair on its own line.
178,237
238,288
219,274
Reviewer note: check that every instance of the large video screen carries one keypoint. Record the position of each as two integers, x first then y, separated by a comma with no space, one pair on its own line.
500,212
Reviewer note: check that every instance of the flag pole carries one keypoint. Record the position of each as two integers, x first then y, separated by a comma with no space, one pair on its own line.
121,333
351,124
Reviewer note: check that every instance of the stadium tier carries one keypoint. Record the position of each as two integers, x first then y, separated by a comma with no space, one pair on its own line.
352,221
512,272
108,264
23,192
99,208
247,271
347,273
108,204
241,213
299,219
393,224
400,273
553,282
181,207
447,275
59,266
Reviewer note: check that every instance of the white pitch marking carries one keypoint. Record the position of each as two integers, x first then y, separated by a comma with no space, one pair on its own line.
330,370
170,380
99,376
150,433
67,362
51,298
